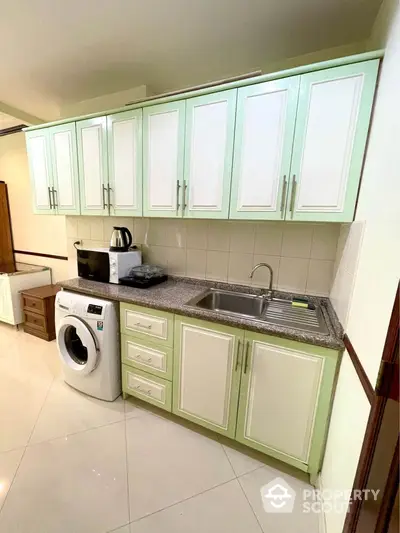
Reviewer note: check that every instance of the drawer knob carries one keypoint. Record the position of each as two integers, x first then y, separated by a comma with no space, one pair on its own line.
142,325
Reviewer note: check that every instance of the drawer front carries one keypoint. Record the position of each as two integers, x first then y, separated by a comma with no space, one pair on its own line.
35,321
149,388
153,325
148,357
33,304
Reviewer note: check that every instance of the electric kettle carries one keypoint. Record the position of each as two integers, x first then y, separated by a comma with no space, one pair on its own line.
121,239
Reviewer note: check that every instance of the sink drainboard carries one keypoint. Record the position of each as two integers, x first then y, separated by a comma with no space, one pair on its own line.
281,312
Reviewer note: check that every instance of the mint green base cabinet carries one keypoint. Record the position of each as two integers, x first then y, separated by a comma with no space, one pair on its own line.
285,399
147,387
207,374
153,358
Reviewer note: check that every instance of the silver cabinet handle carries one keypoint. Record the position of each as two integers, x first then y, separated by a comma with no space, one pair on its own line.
237,355
246,360
184,204
50,202
148,360
142,325
55,203
109,196
104,197
294,187
283,199
178,186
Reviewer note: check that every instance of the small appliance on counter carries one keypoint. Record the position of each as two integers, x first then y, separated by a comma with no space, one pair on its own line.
144,276
99,264
121,239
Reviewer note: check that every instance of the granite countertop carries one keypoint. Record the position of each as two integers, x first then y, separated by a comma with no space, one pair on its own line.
174,294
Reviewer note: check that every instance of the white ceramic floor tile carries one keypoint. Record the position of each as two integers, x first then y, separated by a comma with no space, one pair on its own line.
168,463
9,462
222,509
68,411
241,463
73,484
294,522
123,529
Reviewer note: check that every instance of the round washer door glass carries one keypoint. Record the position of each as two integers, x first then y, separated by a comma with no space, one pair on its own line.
76,345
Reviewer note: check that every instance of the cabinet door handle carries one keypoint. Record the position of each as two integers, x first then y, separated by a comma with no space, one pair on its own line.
55,204
184,204
50,202
294,187
237,354
109,196
178,186
246,359
142,325
283,199
104,196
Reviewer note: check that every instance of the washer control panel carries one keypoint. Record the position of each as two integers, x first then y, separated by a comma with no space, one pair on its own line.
95,309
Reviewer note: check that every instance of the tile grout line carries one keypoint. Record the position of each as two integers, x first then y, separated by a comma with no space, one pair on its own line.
127,472
248,501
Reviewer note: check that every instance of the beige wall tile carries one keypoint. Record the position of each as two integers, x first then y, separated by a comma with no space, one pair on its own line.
196,234
217,265
140,230
240,266
96,229
325,241
176,261
174,233
158,255
319,280
268,240
84,228
156,232
293,273
297,239
71,224
261,276
242,236
218,235
196,261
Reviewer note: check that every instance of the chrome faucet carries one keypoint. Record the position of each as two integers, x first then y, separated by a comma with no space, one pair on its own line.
271,278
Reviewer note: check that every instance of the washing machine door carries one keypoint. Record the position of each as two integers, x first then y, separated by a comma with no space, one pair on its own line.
77,345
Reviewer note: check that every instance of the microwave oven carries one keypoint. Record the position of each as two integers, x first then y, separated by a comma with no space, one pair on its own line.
99,264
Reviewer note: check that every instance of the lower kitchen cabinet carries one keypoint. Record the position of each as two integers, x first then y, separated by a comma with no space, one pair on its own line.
147,387
285,398
206,374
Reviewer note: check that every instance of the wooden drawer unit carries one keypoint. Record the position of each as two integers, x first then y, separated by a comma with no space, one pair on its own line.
38,309
149,357
147,324
147,387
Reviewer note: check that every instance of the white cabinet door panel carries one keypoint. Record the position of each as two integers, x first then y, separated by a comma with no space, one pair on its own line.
163,138
210,122
265,120
125,162
40,170
92,158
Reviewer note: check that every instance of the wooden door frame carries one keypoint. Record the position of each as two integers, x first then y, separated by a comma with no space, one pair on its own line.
378,403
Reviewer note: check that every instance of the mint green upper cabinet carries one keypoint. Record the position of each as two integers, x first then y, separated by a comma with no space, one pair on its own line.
206,373
210,125
163,147
64,161
124,132
92,161
331,131
40,170
265,120
285,398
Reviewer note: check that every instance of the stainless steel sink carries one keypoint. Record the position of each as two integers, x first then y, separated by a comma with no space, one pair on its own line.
275,311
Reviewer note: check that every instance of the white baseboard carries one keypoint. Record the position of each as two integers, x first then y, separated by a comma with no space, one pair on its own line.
321,516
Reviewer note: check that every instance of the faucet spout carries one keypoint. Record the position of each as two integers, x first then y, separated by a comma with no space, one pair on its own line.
271,276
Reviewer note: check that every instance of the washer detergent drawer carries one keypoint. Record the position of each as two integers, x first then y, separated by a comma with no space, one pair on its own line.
151,324
152,389
153,358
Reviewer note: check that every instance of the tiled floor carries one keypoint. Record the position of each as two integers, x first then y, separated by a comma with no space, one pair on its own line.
69,463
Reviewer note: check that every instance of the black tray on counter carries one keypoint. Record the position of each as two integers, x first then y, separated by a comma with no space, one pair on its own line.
142,283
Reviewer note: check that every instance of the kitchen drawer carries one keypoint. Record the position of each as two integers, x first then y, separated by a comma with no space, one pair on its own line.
153,358
36,305
151,324
35,321
147,387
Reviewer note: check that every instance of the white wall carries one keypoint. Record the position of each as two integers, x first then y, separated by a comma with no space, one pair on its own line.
367,273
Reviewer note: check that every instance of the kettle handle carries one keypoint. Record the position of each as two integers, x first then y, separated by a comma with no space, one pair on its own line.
129,235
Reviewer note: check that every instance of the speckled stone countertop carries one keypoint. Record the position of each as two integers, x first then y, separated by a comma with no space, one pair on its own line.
174,294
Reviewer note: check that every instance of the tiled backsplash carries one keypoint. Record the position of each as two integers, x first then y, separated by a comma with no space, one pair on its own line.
302,255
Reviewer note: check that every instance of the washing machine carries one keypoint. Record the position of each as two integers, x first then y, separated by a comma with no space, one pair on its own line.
88,344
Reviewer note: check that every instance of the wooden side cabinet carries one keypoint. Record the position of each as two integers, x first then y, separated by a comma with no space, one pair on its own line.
38,308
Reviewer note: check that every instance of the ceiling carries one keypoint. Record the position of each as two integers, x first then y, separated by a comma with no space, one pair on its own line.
56,53
6,121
